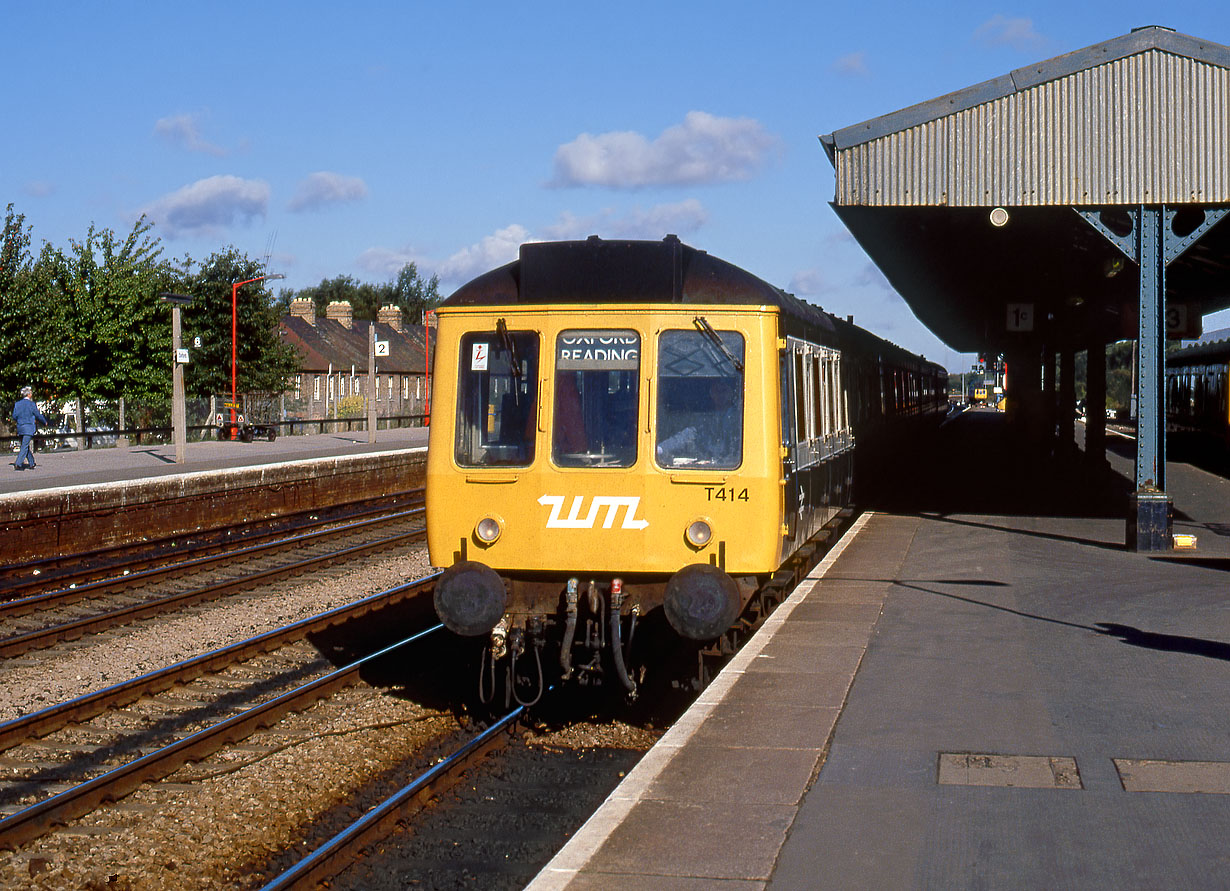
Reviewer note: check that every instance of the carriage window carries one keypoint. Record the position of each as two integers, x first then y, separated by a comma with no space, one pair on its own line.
819,367
596,397
700,399
497,398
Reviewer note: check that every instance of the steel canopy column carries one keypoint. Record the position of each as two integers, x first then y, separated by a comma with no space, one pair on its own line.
1095,401
1067,401
1048,394
1151,400
1024,393
1148,524
1153,244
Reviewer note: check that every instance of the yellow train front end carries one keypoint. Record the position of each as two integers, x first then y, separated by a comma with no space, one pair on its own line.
592,462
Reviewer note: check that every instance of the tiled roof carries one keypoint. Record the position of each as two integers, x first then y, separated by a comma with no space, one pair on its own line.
329,342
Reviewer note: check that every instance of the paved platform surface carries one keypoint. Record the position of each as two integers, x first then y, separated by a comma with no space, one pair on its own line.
982,689
101,465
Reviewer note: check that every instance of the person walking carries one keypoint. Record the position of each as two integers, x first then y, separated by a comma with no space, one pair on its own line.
27,416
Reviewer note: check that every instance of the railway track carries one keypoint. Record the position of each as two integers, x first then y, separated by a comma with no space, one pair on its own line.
490,815
346,846
58,764
25,580
514,816
69,613
65,760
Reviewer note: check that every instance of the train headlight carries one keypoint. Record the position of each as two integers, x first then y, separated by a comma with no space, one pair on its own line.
488,530
699,534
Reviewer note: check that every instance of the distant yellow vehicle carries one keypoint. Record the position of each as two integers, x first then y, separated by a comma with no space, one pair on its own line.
629,430
980,394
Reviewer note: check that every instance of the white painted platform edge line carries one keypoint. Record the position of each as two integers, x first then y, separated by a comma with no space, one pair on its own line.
197,474
586,841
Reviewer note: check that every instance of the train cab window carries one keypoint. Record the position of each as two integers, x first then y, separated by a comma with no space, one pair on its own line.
597,375
497,398
700,399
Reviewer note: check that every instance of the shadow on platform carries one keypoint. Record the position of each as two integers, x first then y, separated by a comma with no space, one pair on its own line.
978,463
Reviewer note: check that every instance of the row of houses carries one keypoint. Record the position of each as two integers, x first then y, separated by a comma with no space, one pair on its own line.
334,353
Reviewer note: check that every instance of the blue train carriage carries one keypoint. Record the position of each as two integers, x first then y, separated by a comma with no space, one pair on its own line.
1197,390
624,428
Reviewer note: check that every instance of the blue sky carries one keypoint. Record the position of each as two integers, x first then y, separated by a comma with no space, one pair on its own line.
353,138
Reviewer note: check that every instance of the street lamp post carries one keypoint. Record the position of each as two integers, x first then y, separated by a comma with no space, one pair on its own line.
235,338
179,420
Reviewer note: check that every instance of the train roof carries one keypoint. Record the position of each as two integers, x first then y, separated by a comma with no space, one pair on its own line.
598,270
1201,353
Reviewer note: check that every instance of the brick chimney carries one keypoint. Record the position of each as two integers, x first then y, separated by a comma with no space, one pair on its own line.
304,309
340,311
391,316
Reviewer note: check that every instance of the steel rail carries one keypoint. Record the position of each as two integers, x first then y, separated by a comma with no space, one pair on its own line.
41,573
376,823
31,640
38,819
54,717
24,605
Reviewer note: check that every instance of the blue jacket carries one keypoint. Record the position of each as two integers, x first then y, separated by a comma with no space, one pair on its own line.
25,413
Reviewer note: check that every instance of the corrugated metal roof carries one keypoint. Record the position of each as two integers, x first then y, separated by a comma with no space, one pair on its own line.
1140,119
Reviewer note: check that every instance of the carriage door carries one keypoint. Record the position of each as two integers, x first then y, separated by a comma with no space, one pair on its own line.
789,445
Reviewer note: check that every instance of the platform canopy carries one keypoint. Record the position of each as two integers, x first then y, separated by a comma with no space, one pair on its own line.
1006,194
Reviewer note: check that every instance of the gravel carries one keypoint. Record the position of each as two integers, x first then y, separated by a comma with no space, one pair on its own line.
226,821
95,663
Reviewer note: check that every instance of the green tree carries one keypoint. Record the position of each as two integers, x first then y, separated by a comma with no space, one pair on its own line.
264,363
103,332
410,292
363,298
413,295
19,339
1119,358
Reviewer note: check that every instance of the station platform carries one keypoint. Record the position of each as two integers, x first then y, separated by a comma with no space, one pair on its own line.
978,687
78,501
88,467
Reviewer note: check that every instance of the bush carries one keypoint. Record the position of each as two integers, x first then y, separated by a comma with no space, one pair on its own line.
351,407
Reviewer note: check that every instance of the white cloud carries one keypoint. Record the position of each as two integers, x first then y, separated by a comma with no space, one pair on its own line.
502,246
999,30
852,64
387,262
492,251
182,131
653,223
703,149
209,205
808,283
322,188
495,250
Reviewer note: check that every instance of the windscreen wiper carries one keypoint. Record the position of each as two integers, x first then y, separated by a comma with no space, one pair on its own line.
511,346
707,329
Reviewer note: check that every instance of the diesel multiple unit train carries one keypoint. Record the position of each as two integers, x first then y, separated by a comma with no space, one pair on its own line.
630,429
1198,390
